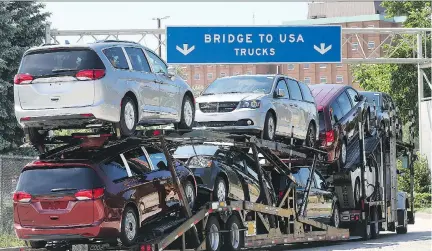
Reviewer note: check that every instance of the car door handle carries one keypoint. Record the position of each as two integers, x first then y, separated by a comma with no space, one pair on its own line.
158,82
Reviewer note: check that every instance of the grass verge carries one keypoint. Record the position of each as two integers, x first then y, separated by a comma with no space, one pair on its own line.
10,240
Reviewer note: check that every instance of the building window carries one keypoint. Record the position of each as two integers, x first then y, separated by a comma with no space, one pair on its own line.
307,80
197,66
323,80
354,46
222,74
209,66
323,66
237,73
338,65
197,76
290,67
339,79
371,26
249,73
209,76
371,45
185,76
305,66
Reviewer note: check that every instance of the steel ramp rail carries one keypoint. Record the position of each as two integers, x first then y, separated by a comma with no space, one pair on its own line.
353,152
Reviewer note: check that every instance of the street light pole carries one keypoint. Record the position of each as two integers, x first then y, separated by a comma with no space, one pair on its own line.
159,25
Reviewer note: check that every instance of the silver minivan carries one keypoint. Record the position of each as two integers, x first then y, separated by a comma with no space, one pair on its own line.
116,83
273,105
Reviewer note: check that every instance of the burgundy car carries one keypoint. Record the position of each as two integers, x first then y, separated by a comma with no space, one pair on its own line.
97,194
338,115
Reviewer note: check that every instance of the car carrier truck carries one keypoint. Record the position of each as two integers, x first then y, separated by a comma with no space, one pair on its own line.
366,187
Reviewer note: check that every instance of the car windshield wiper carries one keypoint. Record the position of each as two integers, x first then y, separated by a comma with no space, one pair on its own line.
63,70
205,94
63,189
229,92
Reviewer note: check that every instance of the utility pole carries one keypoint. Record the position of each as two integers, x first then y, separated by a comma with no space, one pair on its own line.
159,25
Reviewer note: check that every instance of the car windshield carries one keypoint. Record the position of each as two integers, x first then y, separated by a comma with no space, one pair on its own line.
240,84
372,99
188,150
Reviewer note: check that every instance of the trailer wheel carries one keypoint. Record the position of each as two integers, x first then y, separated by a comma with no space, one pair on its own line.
214,238
366,231
375,226
335,220
235,238
357,192
404,228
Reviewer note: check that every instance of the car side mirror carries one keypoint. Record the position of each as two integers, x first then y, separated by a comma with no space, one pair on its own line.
171,72
280,93
324,185
358,98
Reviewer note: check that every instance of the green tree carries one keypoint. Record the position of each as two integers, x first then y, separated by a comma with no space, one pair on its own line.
399,80
22,25
422,177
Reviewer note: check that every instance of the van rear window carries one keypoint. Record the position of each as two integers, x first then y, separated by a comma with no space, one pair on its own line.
60,62
40,181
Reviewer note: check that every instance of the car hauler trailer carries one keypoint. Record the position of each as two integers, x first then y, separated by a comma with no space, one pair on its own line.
235,224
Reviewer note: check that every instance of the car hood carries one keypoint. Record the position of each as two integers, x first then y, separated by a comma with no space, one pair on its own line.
229,97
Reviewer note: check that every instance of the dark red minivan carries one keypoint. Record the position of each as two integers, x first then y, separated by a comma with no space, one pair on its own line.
338,116
99,194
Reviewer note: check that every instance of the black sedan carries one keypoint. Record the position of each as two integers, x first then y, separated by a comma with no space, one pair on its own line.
222,172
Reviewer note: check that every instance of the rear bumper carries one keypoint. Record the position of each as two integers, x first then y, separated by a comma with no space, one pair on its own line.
67,117
101,231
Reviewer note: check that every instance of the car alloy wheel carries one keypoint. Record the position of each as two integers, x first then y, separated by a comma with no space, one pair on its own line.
357,192
130,226
269,127
190,194
221,191
129,116
343,153
336,217
188,113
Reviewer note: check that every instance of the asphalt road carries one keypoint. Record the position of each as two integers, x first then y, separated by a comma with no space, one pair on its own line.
418,238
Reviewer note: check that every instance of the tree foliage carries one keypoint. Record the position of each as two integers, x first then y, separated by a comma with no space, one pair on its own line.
399,80
22,25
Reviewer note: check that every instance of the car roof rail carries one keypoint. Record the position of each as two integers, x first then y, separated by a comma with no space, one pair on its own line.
117,41
48,44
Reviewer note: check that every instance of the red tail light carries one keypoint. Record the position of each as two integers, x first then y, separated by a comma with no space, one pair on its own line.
157,132
87,115
89,194
281,194
21,77
90,74
21,197
329,137
25,119
146,247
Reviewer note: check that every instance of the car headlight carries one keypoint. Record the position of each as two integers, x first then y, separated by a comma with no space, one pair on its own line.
253,104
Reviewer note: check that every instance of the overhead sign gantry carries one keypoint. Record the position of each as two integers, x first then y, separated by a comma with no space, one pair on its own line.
254,44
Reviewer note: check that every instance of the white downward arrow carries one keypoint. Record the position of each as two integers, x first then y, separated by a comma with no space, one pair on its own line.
322,49
185,49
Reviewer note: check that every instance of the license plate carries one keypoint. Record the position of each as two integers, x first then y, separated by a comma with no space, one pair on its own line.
97,247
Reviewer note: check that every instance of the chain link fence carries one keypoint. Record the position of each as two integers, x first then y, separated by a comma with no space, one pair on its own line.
10,169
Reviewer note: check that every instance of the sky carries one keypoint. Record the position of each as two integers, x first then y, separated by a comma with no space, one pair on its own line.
138,15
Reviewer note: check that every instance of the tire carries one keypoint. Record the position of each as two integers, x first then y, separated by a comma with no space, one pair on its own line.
375,231
187,114
36,244
128,117
220,190
404,228
357,193
311,136
366,231
234,240
269,127
129,227
37,139
367,127
342,153
213,237
335,219
189,190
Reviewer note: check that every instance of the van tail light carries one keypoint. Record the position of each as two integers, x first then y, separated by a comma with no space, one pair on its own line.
21,77
21,197
146,247
329,137
90,194
90,74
